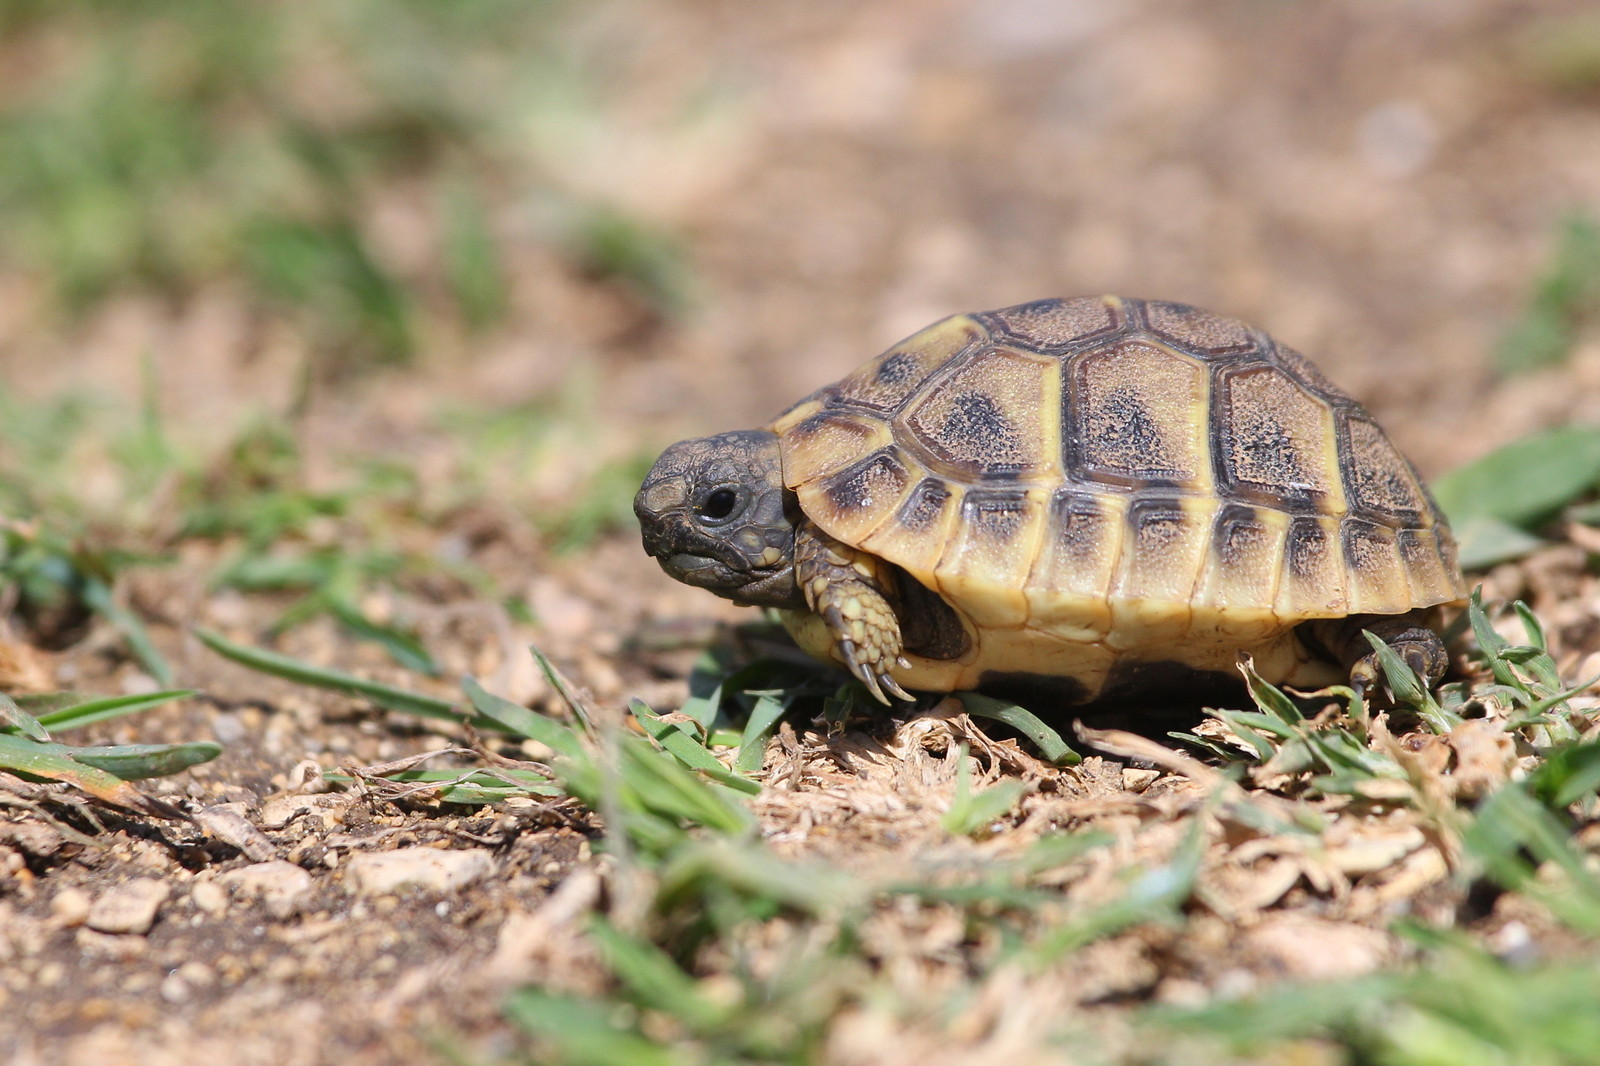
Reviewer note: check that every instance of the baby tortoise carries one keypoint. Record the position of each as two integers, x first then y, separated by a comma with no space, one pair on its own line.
1102,493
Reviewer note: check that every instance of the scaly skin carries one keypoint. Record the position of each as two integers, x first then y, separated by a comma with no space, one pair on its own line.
1409,634
847,589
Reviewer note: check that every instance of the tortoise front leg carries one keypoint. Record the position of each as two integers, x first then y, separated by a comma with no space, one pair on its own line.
847,589
1408,634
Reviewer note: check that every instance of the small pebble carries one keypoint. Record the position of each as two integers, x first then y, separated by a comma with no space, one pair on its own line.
210,897
429,869
70,907
284,887
129,908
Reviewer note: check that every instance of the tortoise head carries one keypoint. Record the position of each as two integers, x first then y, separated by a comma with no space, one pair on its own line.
715,513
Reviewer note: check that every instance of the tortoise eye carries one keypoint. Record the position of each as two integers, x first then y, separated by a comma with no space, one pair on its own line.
719,504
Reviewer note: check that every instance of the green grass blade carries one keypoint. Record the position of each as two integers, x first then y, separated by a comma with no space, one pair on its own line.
470,787
385,696
971,813
1047,740
653,979
132,762
666,786
97,596
585,1032
1409,689
1526,482
1491,643
401,646
707,679
54,762
564,690
1270,698
520,721
1568,775
14,719
1512,825
764,718
687,749
99,710
1153,895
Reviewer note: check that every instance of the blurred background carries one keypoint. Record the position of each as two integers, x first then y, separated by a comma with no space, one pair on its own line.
520,244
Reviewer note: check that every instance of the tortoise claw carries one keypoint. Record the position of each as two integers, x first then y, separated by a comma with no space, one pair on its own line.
875,683
895,690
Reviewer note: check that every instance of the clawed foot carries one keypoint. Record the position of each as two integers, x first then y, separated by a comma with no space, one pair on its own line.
868,653
847,588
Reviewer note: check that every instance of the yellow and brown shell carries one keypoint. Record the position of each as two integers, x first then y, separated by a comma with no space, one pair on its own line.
1101,480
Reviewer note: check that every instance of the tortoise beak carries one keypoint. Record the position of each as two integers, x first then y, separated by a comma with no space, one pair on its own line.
699,570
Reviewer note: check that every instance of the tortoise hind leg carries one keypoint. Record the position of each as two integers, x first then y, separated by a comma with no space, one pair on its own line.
1409,634
848,589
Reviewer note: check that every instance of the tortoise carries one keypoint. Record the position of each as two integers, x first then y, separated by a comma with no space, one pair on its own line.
1101,495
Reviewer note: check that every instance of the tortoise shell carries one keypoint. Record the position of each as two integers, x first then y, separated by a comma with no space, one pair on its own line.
1093,480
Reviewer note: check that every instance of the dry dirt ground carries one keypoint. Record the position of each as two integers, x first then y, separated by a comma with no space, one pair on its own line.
1377,184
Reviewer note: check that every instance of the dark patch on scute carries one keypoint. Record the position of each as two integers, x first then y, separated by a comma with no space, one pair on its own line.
1417,553
1368,547
897,369
1195,330
1383,491
1239,532
810,426
1381,483
1263,460
1448,551
994,517
1156,524
1078,522
924,507
1307,547
868,483
1120,436
975,425
1053,324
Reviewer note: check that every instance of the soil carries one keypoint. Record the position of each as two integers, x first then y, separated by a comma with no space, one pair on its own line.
1376,184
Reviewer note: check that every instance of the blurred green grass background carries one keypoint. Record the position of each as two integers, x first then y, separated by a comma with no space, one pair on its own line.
168,146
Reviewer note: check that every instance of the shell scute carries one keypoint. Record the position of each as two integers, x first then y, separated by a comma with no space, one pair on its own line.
987,417
915,538
1246,559
1382,485
1080,547
829,441
1376,572
1197,330
1276,441
1314,583
1136,416
886,382
1162,558
862,497
1048,325
990,553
